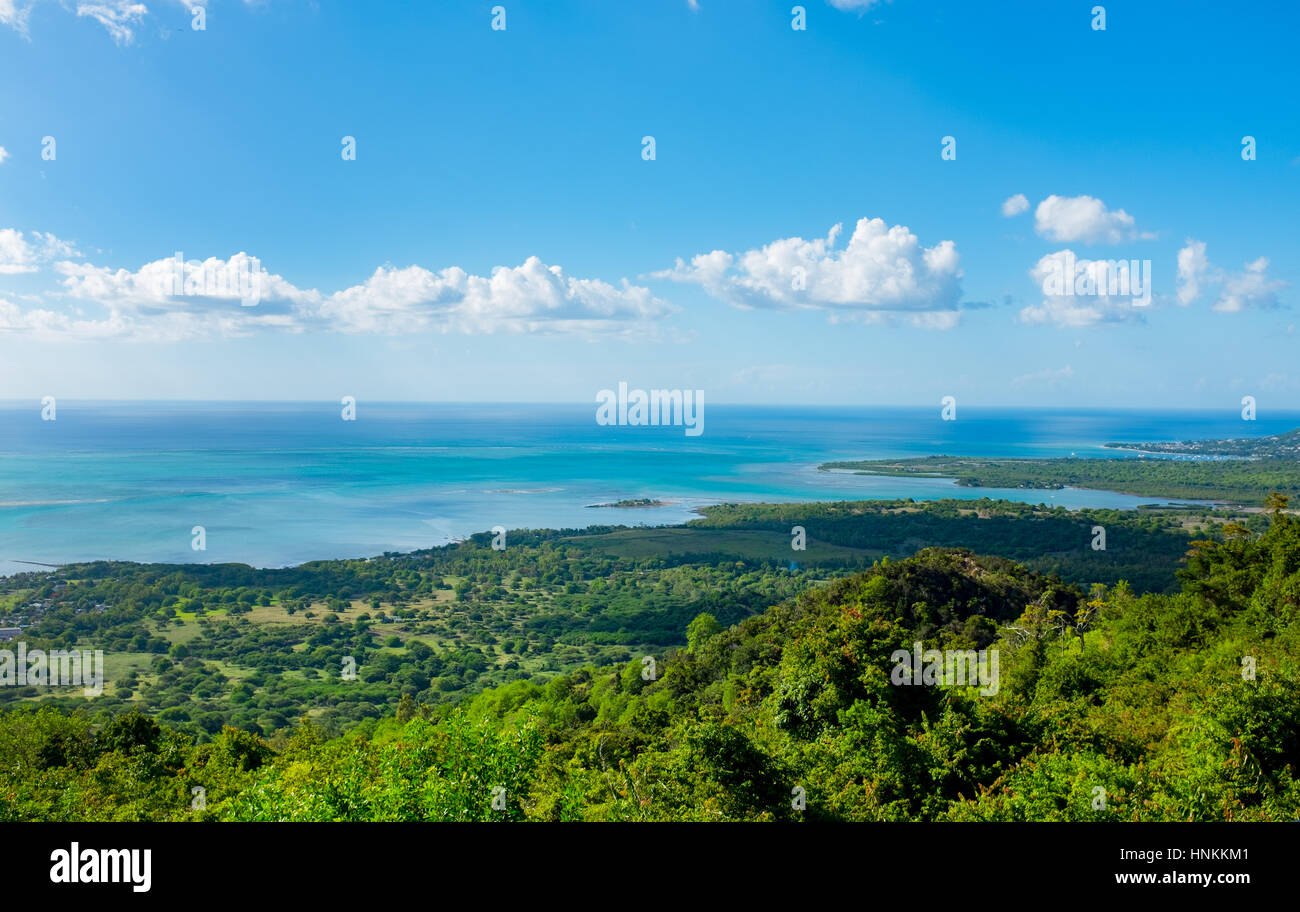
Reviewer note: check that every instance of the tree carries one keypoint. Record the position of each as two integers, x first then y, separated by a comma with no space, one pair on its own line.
700,630
406,710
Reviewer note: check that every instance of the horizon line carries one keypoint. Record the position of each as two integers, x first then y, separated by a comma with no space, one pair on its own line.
26,403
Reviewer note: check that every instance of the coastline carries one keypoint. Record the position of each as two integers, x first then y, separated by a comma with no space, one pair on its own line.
130,482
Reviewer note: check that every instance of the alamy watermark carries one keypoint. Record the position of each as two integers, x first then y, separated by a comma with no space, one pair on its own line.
75,865
57,668
1068,276
949,667
239,277
656,408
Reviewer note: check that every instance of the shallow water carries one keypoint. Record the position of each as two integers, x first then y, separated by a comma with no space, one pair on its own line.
281,483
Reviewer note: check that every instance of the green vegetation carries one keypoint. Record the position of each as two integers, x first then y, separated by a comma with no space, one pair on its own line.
205,646
1143,548
201,647
1112,705
1233,481
1278,446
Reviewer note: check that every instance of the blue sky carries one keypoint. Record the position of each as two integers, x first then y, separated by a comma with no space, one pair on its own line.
501,236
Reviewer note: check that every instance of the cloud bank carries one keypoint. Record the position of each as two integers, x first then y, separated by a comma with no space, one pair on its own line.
170,299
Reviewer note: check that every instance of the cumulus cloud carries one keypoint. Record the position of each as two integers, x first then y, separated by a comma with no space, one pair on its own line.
882,271
18,254
15,253
1237,291
4,153
171,299
1084,219
1014,205
1079,292
532,297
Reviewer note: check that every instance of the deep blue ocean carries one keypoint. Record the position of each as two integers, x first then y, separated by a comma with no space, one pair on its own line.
276,484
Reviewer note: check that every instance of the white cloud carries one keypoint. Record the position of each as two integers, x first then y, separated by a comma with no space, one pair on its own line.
15,253
1014,205
1077,292
1250,288
1193,268
117,16
1082,218
45,323
532,297
4,153
208,298
14,13
18,255
197,288
881,271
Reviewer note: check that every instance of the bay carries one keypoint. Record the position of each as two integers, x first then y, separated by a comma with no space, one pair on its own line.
275,484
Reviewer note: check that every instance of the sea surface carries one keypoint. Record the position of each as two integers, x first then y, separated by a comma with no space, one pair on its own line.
275,484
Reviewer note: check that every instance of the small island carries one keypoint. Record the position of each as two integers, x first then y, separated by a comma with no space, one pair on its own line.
633,504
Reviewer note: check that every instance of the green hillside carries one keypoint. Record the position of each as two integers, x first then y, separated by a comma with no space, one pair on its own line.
1109,705
201,647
